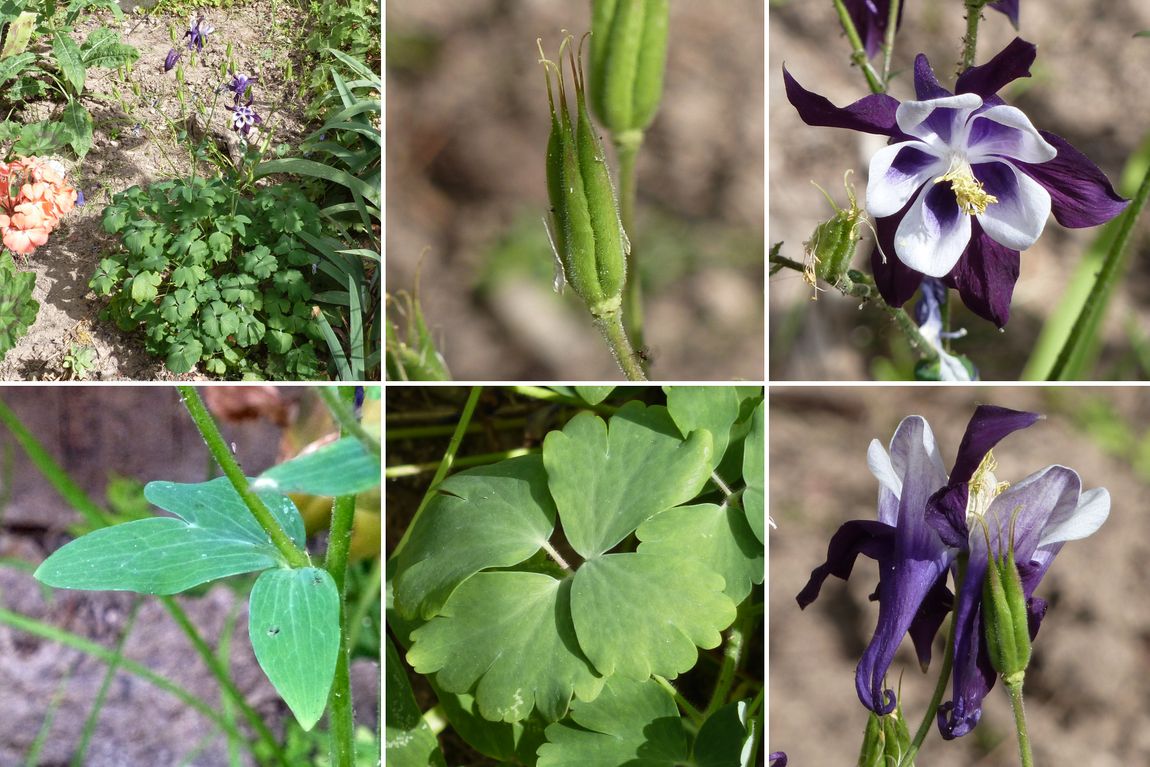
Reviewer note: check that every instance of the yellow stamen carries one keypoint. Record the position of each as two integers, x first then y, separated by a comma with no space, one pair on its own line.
983,488
971,194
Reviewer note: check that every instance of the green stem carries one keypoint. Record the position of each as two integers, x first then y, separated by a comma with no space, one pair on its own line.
611,325
93,717
627,146
1100,292
343,415
341,716
444,464
442,430
940,686
732,657
1024,751
415,469
223,455
692,713
858,50
970,41
888,41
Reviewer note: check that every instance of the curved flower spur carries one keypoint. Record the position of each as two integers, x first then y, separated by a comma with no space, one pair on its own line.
966,182
931,524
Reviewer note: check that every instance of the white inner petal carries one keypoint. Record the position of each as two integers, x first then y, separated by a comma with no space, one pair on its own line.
888,188
1021,142
1018,217
928,245
911,115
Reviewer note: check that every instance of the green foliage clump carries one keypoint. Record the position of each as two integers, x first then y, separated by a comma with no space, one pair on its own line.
18,309
215,275
351,26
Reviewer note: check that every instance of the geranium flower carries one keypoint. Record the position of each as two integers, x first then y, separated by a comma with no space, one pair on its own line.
966,182
929,522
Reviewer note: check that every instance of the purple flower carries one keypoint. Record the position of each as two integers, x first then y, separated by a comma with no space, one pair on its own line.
240,84
244,118
870,19
928,314
171,59
931,524
1009,7
1002,176
198,32
777,759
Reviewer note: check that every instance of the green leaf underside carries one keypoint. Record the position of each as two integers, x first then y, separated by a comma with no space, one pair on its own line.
631,723
213,536
605,483
409,741
753,469
724,740
717,536
342,468
639,614
492,516
294,629
509,635
593,395
714,408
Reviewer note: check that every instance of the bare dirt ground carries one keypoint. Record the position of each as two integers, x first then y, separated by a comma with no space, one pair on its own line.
1087,685
467,133
1088,86
85,429
134,145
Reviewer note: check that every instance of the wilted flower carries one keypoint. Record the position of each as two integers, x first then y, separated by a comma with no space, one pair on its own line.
1002,179
930,524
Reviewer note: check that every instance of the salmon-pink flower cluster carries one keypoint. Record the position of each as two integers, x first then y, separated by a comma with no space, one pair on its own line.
34,196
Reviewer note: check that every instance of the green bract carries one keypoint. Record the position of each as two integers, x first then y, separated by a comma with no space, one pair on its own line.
588,235
628,55
537,634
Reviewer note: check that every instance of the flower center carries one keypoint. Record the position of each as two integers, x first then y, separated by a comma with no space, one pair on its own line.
983,489
971,195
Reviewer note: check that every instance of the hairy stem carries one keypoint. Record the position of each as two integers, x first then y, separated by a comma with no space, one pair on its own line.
341,406
888,41
227,462
1024,752
627,146
611,325
970,40
732,657
858,50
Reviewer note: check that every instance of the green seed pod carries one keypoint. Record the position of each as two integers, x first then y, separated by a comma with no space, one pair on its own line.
832,245
1004,616
588,237
886,740
628,56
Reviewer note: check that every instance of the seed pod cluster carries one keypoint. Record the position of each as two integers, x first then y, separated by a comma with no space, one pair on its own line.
628,56
1005,617
588,235
886,741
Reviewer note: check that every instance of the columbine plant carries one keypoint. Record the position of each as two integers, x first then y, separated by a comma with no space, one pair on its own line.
994,541
964,185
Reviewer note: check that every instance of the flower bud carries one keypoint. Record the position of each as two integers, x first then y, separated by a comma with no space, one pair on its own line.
1004,617
628,55
588,235
886,740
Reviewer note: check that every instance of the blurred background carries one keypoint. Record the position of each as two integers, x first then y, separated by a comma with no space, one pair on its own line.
112,441
1087,686
467,123
1088,86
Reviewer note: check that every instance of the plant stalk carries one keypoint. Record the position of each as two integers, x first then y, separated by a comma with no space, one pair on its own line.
858,50
1024,752
223,456
627,146
970,40
611,326
337,402
888,41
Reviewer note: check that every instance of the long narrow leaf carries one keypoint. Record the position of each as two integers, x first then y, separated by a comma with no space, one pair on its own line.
301,167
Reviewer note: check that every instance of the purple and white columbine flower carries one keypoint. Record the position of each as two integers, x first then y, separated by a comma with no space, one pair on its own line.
240,84
198,32
928,314
931,524
966,182
870,18
244,118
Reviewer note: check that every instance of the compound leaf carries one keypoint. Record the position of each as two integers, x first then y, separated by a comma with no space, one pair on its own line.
491,516
509,635
409,741
725,739
213,536
753,458
605,483
718,536
639,614
714,408
294,628
631,723
343,467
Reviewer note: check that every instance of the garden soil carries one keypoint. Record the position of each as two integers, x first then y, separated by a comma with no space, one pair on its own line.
134,145
1088,86
1089,678
85,430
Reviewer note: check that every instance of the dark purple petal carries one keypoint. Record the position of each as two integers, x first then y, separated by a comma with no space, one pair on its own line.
946,513
777,759
171,59
858,536
1009,7
1080,193
870,114
1010,64
988,426
896,282
869,18
985,276
926,85
935,607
